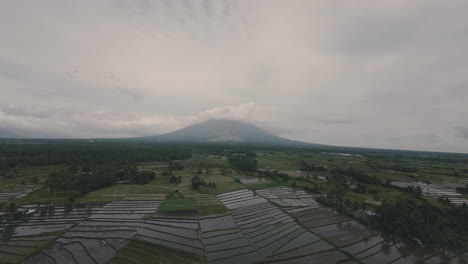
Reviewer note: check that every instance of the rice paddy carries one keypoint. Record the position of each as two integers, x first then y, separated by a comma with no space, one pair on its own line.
274,225
251,220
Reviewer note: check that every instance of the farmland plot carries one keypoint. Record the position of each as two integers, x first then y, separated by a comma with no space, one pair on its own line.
17,249
137,252
56,219
172,233
429,189
252,180
240,198
288,197
341,232
390,252
100,236
458,201
17,192
274,233
225,243
37,230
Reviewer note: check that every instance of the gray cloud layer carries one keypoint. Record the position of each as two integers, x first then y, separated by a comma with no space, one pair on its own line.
390,74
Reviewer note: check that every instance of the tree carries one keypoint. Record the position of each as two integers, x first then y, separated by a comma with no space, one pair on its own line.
243,163
310,167
12,208
196,182
174,166
35,181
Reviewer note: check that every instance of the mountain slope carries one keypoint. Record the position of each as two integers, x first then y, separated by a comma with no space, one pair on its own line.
221,131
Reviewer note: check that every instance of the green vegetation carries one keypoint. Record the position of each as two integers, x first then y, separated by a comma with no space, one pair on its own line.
84,153
176,202
208,204
19,176
202,204
76,182
305,166
243,163
423,221
156,189
357,182
462,190
199,183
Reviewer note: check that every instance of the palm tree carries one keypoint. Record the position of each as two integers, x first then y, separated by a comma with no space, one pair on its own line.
35,181
12,209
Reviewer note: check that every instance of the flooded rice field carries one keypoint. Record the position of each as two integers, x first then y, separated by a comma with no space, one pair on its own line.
17,192
275,225
429,189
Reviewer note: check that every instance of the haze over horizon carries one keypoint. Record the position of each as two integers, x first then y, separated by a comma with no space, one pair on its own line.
387,74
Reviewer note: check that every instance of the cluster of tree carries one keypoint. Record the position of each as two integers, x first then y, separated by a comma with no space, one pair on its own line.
131,174
175,166
243,163
422,221
16,155
357,175
198,183
462,190
414,191
89,179
175,179
399,167
305,166
81,180
166,173
360,188
11,209
48,209
277,176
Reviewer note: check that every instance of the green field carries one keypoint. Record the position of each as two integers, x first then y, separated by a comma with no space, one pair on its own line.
156,189
24,175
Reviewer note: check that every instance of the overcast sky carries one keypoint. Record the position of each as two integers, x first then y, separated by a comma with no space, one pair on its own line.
387,74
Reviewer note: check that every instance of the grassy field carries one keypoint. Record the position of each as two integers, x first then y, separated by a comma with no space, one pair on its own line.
25,175
206,161
156,189
178,203
138,252
203,204
424,168
45,197
223,183
279,161
208,204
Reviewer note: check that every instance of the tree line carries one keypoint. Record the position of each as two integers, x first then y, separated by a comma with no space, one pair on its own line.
21,155
87,179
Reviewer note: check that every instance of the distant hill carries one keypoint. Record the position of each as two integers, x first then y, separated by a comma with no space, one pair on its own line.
6,134
216,130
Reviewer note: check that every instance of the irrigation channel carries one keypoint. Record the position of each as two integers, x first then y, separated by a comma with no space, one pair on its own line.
275,225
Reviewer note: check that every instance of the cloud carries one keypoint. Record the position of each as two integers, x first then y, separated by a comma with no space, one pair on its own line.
335,121
133,93
241,112
461,132
352,73
13,110
110,123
